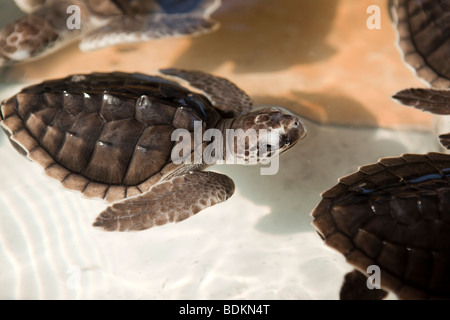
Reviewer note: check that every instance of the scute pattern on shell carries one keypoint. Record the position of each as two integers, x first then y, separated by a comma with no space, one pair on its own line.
174,198
424,29
102,134
394,214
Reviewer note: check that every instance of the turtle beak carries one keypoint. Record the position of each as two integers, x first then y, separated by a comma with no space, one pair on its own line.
295,131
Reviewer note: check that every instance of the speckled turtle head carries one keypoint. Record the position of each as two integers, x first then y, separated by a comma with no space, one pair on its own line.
111,136
267,130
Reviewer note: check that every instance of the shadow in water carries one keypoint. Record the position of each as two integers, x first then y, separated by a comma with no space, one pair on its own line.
333,107
264,35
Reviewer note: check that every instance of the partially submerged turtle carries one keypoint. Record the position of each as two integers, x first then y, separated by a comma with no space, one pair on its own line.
50,24
424,37
109,135
394,215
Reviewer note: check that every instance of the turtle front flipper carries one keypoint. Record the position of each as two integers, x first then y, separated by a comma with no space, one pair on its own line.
355,288
224,95
170,201
36,34
430,100
144,27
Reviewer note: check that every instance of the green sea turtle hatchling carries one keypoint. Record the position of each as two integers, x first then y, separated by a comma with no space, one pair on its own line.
424,37
50,24
109,135
393,215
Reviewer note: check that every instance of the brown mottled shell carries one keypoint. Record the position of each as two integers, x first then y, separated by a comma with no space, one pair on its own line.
423,31
106,135
394,214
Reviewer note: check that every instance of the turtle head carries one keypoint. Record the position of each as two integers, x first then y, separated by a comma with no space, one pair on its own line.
264,132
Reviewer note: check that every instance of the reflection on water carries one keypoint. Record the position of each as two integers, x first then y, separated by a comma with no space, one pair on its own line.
259,244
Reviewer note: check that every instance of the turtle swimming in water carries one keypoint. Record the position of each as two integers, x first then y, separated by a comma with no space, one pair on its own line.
50,24
110,135
393,215
423,29
424,37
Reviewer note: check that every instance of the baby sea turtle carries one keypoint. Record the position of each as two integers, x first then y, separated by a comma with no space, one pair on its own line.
393,215
109,135
424,37
51,24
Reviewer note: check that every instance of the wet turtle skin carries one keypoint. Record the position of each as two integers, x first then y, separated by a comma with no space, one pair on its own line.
430,100
109,135
47,25
107,143
424,38
394,214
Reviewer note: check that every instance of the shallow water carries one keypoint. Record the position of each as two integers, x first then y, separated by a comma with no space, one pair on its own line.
259,244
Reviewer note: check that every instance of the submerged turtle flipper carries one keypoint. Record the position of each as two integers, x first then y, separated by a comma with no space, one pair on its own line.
355,288
430,100
138,28
224,95
169,201
36,34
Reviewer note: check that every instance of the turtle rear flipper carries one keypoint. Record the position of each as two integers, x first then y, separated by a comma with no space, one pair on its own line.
170,201
355,288
138,28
